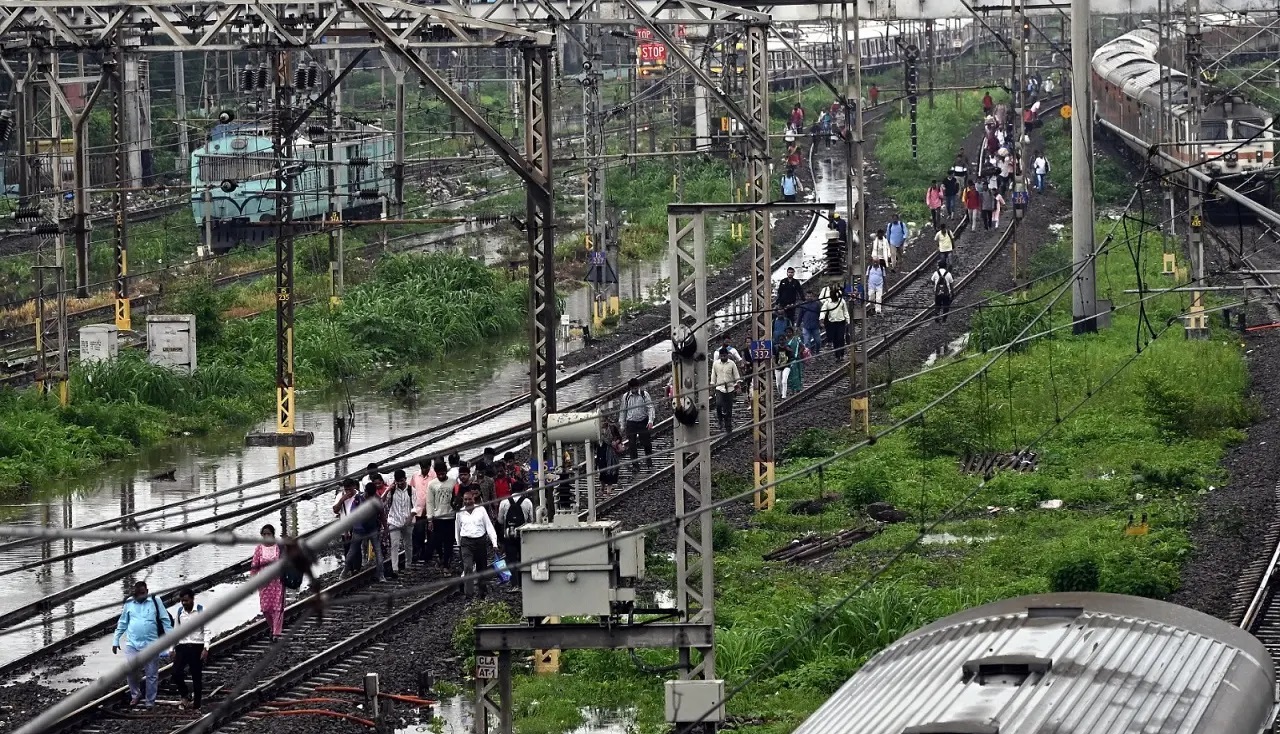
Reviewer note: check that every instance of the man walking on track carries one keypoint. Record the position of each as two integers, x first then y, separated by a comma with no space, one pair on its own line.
191,652
724,382
637,415
513,513
942,285
142,622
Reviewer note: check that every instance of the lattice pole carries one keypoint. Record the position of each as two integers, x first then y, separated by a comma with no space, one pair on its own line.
691,383
539,230
757,109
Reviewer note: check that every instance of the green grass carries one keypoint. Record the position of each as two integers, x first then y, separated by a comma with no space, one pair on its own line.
1112,185
1148,441
940,132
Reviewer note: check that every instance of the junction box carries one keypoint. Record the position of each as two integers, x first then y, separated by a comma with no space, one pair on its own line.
99,343
171,342
588,572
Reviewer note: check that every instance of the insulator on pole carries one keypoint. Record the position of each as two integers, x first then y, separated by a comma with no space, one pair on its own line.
248,77
313,75
262,76
6,125
300,77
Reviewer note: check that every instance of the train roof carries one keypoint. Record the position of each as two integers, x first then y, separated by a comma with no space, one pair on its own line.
1071,663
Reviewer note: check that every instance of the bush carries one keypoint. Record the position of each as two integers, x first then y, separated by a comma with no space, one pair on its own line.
483,612
813,443
868,482
1135,572
723,536
198,297
1075,574
1001,323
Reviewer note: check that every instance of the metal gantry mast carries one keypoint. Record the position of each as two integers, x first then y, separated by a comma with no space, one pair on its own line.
602,273
119,104
758,159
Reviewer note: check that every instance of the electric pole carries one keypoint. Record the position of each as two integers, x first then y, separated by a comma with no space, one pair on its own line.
758,154
855,184
600,273
1083,297
1196,326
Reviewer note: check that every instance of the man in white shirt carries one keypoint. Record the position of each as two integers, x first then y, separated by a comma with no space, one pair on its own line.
942,287
399,504
472,531
191,652
724,383
514,512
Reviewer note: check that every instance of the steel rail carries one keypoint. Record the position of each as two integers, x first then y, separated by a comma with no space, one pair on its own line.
831,378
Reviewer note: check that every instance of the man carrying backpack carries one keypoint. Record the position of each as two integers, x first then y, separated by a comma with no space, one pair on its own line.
513,513
942,285
637,416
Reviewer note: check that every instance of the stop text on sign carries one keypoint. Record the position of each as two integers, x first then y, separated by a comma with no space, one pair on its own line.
652,52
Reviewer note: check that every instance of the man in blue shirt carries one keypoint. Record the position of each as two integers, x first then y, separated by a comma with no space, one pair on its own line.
790,186
897,233
811,322
142,622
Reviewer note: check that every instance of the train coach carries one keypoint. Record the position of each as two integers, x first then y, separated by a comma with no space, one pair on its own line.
233,180
1068,663
1236,143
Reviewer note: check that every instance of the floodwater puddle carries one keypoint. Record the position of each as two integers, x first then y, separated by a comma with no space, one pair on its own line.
953,348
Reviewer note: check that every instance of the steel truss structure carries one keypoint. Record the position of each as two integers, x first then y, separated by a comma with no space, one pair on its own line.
121,33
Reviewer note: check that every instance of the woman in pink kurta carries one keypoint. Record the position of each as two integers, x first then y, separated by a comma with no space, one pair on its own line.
271,596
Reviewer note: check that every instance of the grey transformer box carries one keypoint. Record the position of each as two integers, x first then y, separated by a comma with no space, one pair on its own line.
589,572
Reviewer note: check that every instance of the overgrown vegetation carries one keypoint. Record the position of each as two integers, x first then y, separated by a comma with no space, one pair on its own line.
412,309
1112,185
1147,441
940,132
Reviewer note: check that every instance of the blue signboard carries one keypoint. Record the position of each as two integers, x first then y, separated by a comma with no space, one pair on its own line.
596,258
1021,198
762,351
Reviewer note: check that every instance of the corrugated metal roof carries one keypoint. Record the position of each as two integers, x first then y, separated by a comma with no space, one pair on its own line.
1061,664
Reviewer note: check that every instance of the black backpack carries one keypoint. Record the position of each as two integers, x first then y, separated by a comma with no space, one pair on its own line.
942,288
292,576
159,620
514,518
455,501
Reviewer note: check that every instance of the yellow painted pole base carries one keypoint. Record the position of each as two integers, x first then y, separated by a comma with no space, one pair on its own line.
124,321
765,495
547,662
615,306
64,393
1169,264
860,414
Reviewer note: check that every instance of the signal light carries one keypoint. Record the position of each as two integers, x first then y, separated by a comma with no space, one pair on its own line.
226,116
835,253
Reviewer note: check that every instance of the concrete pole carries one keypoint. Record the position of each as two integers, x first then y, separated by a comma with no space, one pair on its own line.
1196,325
1083,297
855,184
180,108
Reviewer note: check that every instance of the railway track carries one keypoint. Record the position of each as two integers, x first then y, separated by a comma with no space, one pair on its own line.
908,303
501,439
319,646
